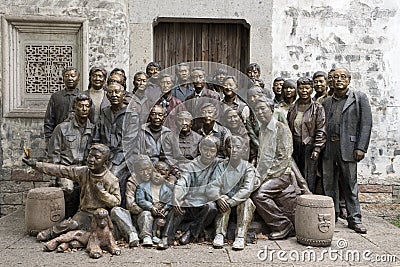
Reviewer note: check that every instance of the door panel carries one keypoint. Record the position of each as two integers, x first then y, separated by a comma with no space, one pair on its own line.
226,43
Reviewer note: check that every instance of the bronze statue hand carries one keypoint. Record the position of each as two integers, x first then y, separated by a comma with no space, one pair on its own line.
178,210
163,213
314,155
100,186
154,211
30,162
158,205
223,205
359,155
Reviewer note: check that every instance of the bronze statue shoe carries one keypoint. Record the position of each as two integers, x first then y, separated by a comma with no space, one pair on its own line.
50,245
163,244
45,235
186,238
358,228
147,241
62,247
238,244
281,234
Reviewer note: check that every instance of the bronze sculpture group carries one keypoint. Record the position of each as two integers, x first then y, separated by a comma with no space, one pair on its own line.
184,156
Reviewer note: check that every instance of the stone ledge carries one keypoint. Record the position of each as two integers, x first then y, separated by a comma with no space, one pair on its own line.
382,210
11,198
372,188
382,198
15,186
23,175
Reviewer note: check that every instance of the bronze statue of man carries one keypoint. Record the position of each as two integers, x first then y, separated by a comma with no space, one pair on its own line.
253,70
69,145
61,103
183,87
140,101
349,124
211,127
151,136
190,196
200,96
96,91
277,89
275,199
188,140
116,123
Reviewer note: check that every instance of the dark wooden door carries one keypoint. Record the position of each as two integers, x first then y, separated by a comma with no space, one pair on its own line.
226,43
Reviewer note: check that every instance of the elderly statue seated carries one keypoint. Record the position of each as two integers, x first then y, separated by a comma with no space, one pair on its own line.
275,199
190,201
234,180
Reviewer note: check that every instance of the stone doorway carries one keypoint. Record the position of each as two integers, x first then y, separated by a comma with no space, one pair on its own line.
222,41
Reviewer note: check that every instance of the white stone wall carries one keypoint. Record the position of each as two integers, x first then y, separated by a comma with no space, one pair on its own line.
361,35
358,35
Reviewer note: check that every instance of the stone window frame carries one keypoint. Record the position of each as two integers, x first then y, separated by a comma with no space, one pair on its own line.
12,27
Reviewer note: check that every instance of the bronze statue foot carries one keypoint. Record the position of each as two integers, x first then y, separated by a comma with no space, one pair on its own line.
186,238
281,234
147,241
163,244
238,244
76,244
50,246
133,239
44,235
62,247
358,228
218,241
95,255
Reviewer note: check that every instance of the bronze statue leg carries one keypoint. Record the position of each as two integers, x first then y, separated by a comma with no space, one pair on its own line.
244,212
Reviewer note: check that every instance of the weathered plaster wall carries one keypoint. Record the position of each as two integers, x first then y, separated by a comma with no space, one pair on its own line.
287,38
361,35
108,46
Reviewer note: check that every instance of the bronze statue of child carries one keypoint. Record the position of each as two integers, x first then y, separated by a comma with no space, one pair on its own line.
153,197
99,189
165,171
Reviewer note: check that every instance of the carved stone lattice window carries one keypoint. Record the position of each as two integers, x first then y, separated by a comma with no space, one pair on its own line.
35,52
43,67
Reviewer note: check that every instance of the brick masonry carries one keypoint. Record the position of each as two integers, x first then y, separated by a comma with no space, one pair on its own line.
292,39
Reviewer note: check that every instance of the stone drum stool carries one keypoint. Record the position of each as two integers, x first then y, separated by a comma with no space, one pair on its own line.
315,220
44,207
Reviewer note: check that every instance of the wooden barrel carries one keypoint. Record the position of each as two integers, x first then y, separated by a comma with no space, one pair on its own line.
44,207
315,220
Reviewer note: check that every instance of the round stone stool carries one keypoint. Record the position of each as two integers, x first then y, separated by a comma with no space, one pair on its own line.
44,207
315,220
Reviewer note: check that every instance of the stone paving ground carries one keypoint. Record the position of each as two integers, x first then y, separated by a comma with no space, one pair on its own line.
380,247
